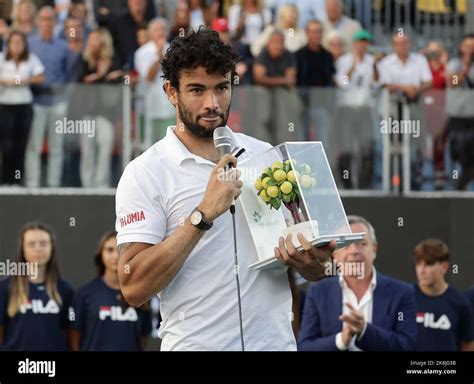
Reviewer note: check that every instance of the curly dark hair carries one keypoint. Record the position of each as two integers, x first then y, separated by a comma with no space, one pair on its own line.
199,48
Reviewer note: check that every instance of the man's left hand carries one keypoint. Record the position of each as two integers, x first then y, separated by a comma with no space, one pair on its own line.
311,263
355,320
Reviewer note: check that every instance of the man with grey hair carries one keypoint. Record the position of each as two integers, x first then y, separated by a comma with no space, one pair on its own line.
275,66
159,112
360,309
404,71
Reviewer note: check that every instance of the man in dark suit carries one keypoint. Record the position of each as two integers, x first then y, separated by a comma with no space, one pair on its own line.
360,309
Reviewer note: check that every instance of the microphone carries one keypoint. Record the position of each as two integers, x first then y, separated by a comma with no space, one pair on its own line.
223,143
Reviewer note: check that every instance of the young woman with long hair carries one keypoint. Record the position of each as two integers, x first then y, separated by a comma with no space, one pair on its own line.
34,307
98,67
102,320
18,70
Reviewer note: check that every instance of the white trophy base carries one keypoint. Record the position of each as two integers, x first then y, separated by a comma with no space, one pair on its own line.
342,240
309,229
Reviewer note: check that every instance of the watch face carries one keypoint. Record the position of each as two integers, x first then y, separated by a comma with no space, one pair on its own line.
196,218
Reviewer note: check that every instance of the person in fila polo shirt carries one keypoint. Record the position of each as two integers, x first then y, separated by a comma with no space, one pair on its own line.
34,303
101,319
444,315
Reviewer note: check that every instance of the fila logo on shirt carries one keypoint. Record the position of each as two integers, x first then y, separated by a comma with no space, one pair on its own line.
132,218
428,321
37,306
115,313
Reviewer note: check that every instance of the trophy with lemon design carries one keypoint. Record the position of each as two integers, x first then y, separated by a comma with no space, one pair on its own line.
280,185
290,189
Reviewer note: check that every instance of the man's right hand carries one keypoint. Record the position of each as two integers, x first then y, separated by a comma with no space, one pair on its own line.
411,92
347,334
161,44
222,189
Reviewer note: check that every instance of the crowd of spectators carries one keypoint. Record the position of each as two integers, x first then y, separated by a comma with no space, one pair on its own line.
286,47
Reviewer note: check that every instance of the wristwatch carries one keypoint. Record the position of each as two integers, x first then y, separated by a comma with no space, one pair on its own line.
197,219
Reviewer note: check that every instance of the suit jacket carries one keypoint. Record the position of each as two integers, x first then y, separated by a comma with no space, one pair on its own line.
393,326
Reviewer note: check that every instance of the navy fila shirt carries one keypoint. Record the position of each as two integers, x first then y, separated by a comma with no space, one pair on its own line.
470,296
105,323
40,324
443,321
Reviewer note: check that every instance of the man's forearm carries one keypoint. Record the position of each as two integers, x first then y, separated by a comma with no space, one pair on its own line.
376,75
271,81
394,87
425,86
153,71
152,269
350,72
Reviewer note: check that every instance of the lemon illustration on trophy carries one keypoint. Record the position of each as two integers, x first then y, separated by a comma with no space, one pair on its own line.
279,184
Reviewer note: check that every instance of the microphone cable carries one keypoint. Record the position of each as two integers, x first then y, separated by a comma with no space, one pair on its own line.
236,267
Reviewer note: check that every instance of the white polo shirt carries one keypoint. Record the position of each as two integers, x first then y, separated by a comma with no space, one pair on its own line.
18,94
157,192
357,90
363,73
415,71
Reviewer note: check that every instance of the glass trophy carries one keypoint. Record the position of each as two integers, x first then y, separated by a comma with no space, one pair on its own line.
290,189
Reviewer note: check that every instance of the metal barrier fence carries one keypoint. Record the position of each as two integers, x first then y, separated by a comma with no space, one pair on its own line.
438,147
80,133
374,141
345,121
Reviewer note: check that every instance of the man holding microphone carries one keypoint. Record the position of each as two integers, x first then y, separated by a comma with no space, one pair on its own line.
174,230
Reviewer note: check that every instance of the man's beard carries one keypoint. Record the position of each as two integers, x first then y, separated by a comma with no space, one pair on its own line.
193,126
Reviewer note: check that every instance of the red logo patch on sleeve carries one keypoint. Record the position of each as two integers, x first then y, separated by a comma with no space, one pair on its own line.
132,218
